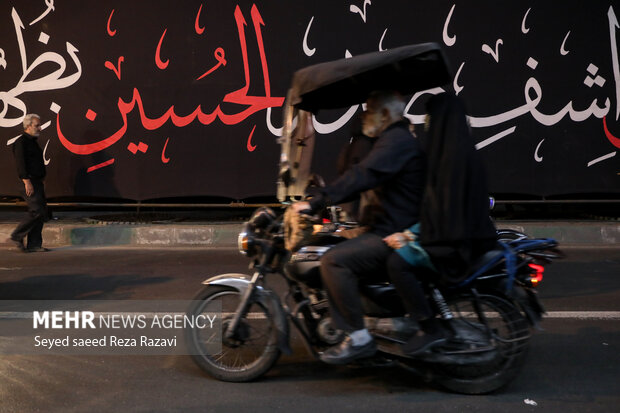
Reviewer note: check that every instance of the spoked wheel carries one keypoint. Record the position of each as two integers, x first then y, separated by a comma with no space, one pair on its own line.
490,345
252,350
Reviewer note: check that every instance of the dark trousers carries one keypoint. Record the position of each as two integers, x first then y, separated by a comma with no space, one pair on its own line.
403,276
342,269
32,225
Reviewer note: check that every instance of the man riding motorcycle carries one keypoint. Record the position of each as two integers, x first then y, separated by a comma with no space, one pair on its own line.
489,313
394,170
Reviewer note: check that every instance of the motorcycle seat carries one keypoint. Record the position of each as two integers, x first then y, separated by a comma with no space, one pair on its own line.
487,258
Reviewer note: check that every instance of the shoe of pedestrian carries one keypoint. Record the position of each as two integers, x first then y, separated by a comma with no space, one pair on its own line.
346,352
37,249
19,244
423,341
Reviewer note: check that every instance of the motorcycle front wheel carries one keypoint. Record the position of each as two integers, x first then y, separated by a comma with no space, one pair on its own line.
499,331
252,350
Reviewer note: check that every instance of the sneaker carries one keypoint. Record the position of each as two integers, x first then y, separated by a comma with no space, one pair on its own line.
346,352
423,341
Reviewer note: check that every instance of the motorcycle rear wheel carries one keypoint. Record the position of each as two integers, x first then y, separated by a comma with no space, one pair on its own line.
509,337
246,356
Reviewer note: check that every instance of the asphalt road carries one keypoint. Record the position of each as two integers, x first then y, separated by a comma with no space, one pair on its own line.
573,365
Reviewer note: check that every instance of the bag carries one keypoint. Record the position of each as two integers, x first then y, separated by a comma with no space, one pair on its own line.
413,252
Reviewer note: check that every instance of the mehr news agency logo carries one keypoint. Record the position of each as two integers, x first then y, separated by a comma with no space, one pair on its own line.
88,320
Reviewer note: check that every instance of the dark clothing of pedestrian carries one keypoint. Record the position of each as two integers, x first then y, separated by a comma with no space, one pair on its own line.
28,158
32,225
394,172
30,165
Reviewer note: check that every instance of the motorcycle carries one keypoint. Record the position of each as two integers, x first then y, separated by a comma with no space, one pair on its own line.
488,317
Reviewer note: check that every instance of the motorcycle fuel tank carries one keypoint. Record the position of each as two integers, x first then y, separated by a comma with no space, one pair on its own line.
304,265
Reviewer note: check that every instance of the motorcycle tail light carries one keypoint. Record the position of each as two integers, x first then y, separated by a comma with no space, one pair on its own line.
537,275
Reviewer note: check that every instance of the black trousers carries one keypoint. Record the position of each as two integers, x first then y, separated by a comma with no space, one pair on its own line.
342,269
403,276
32,225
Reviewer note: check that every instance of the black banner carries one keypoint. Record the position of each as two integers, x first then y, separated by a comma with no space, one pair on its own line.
150,100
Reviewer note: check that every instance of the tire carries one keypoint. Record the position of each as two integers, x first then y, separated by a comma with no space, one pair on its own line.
489,370
243,358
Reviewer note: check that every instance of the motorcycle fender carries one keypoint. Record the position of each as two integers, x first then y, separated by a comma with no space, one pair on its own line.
528,302
268,298
239,282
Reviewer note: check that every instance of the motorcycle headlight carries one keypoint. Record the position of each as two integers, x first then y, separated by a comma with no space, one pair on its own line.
242,243
245,241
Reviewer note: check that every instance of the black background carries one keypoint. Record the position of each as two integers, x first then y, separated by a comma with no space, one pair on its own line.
213,160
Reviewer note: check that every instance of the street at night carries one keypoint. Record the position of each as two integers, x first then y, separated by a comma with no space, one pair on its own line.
572,365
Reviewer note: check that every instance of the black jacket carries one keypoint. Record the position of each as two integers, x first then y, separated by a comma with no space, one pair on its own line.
28,158
394,171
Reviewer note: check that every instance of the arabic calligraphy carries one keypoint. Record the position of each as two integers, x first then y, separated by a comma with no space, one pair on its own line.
355,9
241,97
447,39
50,8
164,158
493,52
524,29
537,157
50,80
251,147
111,32
563,50
46,160
197,27
116,69
381,49
458,88
140,147
601,159
613,25
100,165
221,61
160,64
520,89
307,50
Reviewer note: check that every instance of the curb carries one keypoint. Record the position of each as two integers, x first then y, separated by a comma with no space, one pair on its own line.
224,234
604,233
199,234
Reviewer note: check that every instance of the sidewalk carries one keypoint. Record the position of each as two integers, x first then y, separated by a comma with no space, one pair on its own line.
74,228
